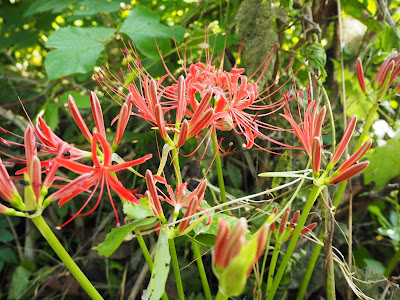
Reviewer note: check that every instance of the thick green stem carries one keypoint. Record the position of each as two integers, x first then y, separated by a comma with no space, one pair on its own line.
392,263
218,165
309,271
272,266
296,234
175,161
65,257
220,296
328,264
202,271
175,265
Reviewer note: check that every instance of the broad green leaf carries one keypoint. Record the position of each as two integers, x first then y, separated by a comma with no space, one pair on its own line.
82,101
5,236
19,282
161,268
54,6
232,279
389,38
116,236
143,25
51,115
77,50
92,7
8,255
141,211
382,167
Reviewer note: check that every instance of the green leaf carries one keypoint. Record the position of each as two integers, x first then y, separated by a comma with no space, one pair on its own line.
389,38
234,174
143,25
161,268
19,282
359,10
51,115
77,50
93,7
54,6
8,255
5,236
381,168
82,101
117,235
317,57
141,211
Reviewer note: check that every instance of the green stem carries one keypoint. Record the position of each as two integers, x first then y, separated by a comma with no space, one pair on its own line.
147,256
218,165
272,266
367,125
65,257
220,296
175,161
392,263
296,234
202,271
327,237
309,270
175,265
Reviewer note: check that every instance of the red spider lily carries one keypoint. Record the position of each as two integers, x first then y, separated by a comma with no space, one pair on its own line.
99,175
231,95
286,230
177,199
310,124
8,191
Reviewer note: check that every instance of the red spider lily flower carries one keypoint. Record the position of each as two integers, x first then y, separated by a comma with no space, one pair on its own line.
310,124
153,196
123,119
316,155
236,103
99,175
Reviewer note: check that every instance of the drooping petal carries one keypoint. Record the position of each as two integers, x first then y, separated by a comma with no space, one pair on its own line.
117,186
78,119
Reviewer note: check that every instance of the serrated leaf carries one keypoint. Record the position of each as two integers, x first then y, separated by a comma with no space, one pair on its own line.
141,211
161,268
143,25
116,236
77,50
382,167
54,6
82,101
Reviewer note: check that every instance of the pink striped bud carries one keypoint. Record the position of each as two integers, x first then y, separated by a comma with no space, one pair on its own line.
8,190
35,175
30,146
97,114
153,193
273,223
349,172
319,122
348,132
160,121
384,71
284,220
356,156
123,120
201,122
316,155
203,105
191,209
183,134
181,101
153,94
360,75
295,218
78,119
235,237
221,241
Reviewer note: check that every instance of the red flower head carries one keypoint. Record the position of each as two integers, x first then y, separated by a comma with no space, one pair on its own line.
98,175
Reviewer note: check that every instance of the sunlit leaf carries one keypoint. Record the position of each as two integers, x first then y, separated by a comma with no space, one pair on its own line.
82,101
143,25
54,6
92,7
143,210
77,50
